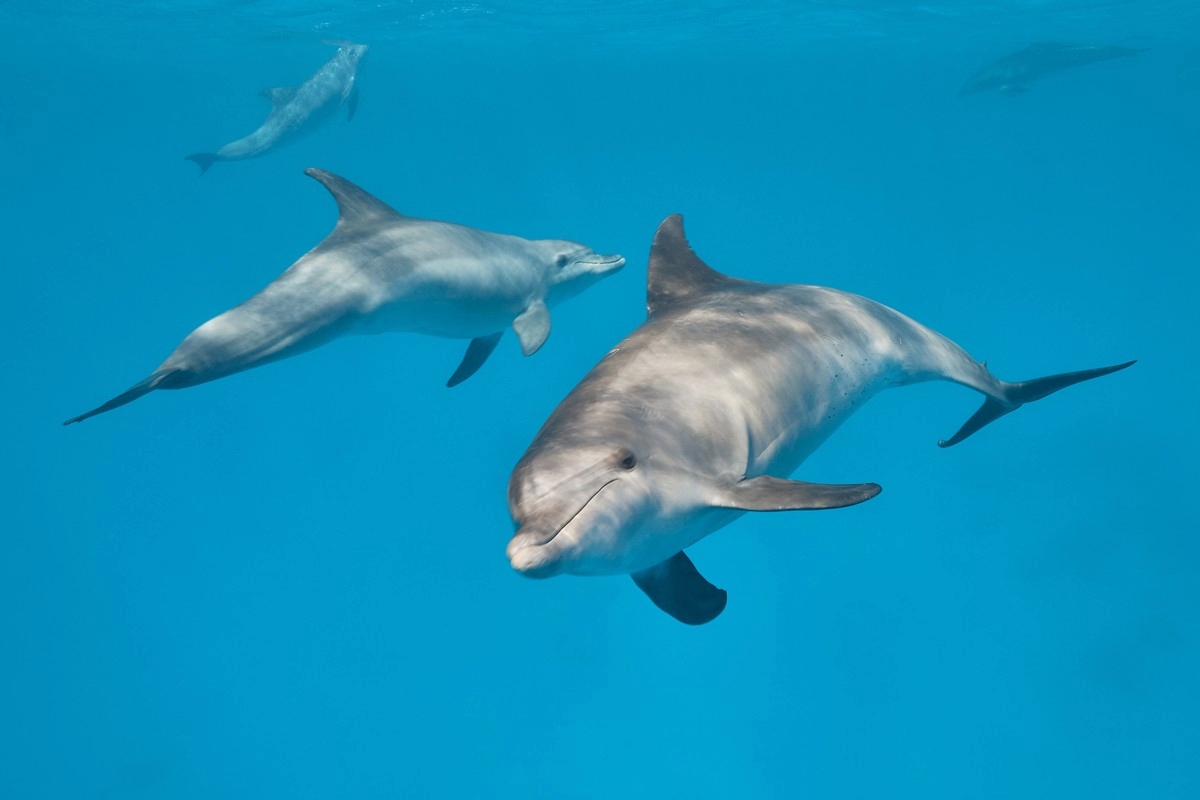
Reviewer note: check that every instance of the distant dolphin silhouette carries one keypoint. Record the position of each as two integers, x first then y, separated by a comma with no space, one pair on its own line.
297,111
698,415
1188,73
380,271
1009,75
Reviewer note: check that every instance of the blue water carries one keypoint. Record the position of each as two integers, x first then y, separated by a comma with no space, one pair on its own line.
291,583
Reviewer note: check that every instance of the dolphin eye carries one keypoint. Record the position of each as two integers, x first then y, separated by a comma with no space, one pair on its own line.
561,261
627,459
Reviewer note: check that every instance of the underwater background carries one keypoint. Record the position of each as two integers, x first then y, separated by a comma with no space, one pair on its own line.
292,582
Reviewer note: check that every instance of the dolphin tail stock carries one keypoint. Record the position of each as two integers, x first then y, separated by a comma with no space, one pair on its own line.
1015,395
202,160
133,393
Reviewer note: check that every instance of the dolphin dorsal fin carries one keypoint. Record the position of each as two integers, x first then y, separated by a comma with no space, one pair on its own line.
278,96
676,274
355,207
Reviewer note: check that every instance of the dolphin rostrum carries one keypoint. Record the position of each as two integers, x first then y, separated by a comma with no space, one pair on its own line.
1010,74
700,414
381,271
297,111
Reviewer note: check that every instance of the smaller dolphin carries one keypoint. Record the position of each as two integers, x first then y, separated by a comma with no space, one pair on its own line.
380,271
701,413
1010,74
297,111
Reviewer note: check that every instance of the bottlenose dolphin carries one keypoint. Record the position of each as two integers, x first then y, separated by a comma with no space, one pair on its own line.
297,111
1010,74
698,415
380,271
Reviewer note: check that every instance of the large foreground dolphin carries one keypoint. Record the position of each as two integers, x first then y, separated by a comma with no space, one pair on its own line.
1010,74
380,271
297,111
698,415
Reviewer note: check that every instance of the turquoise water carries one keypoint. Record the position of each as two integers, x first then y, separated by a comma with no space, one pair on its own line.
292,582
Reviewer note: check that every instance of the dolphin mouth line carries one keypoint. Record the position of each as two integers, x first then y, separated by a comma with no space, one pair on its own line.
603,260
579,511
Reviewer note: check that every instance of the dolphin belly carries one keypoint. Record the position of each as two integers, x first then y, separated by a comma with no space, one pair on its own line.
429,311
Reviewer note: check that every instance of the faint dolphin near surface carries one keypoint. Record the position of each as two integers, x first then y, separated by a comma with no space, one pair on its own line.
298,111
1010,74
1188,73
697,416
380,271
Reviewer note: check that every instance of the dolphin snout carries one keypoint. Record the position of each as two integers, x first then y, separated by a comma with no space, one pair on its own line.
537,550
529,555
604,263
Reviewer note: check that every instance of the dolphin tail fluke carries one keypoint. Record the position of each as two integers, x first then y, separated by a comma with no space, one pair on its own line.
133,393
1018,394
203,160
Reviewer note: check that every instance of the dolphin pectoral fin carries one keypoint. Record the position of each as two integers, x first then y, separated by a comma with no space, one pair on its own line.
532,327
1018,394
766,493
279,95
352,105
477,353
678,588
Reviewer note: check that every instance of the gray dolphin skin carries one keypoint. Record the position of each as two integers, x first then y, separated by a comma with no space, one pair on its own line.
297,111
1009,75
380,271
698,415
